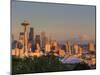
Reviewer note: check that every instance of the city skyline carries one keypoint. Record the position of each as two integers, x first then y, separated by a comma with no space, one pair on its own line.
50,37
57,20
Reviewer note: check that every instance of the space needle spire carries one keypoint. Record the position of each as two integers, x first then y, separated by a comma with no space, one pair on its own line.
25,24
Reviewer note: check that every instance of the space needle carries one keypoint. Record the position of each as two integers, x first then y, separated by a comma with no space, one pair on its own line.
25,24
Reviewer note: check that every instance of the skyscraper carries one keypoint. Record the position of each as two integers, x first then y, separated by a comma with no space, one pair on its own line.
21,40
21,37
14,44
76,48
91,47
68,47
31,38
37,40
43,39
47,47
31,34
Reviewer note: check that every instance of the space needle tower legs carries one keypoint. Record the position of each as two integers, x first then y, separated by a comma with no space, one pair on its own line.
25,24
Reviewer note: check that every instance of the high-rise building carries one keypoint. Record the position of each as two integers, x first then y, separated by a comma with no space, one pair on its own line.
47,47
37,46
21,37
37,40
20,44
76,48
31,38
43,39
14,44
68,47
91,46
80,51
31,34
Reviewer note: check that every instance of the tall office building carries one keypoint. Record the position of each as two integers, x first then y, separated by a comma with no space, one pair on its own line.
68,47
43,39
76,48
91,46
37,46
37,40
31,38
14,44
47,47
31,34
21,37
80,51
20,43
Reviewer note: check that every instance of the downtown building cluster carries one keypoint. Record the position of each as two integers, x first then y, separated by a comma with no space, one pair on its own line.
31,44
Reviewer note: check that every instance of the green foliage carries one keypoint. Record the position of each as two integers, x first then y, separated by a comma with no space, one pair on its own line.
81,66
41,64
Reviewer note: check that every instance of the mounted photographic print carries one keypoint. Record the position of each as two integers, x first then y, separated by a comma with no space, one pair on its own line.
52,37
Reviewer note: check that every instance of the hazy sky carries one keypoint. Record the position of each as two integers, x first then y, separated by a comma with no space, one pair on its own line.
57,20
